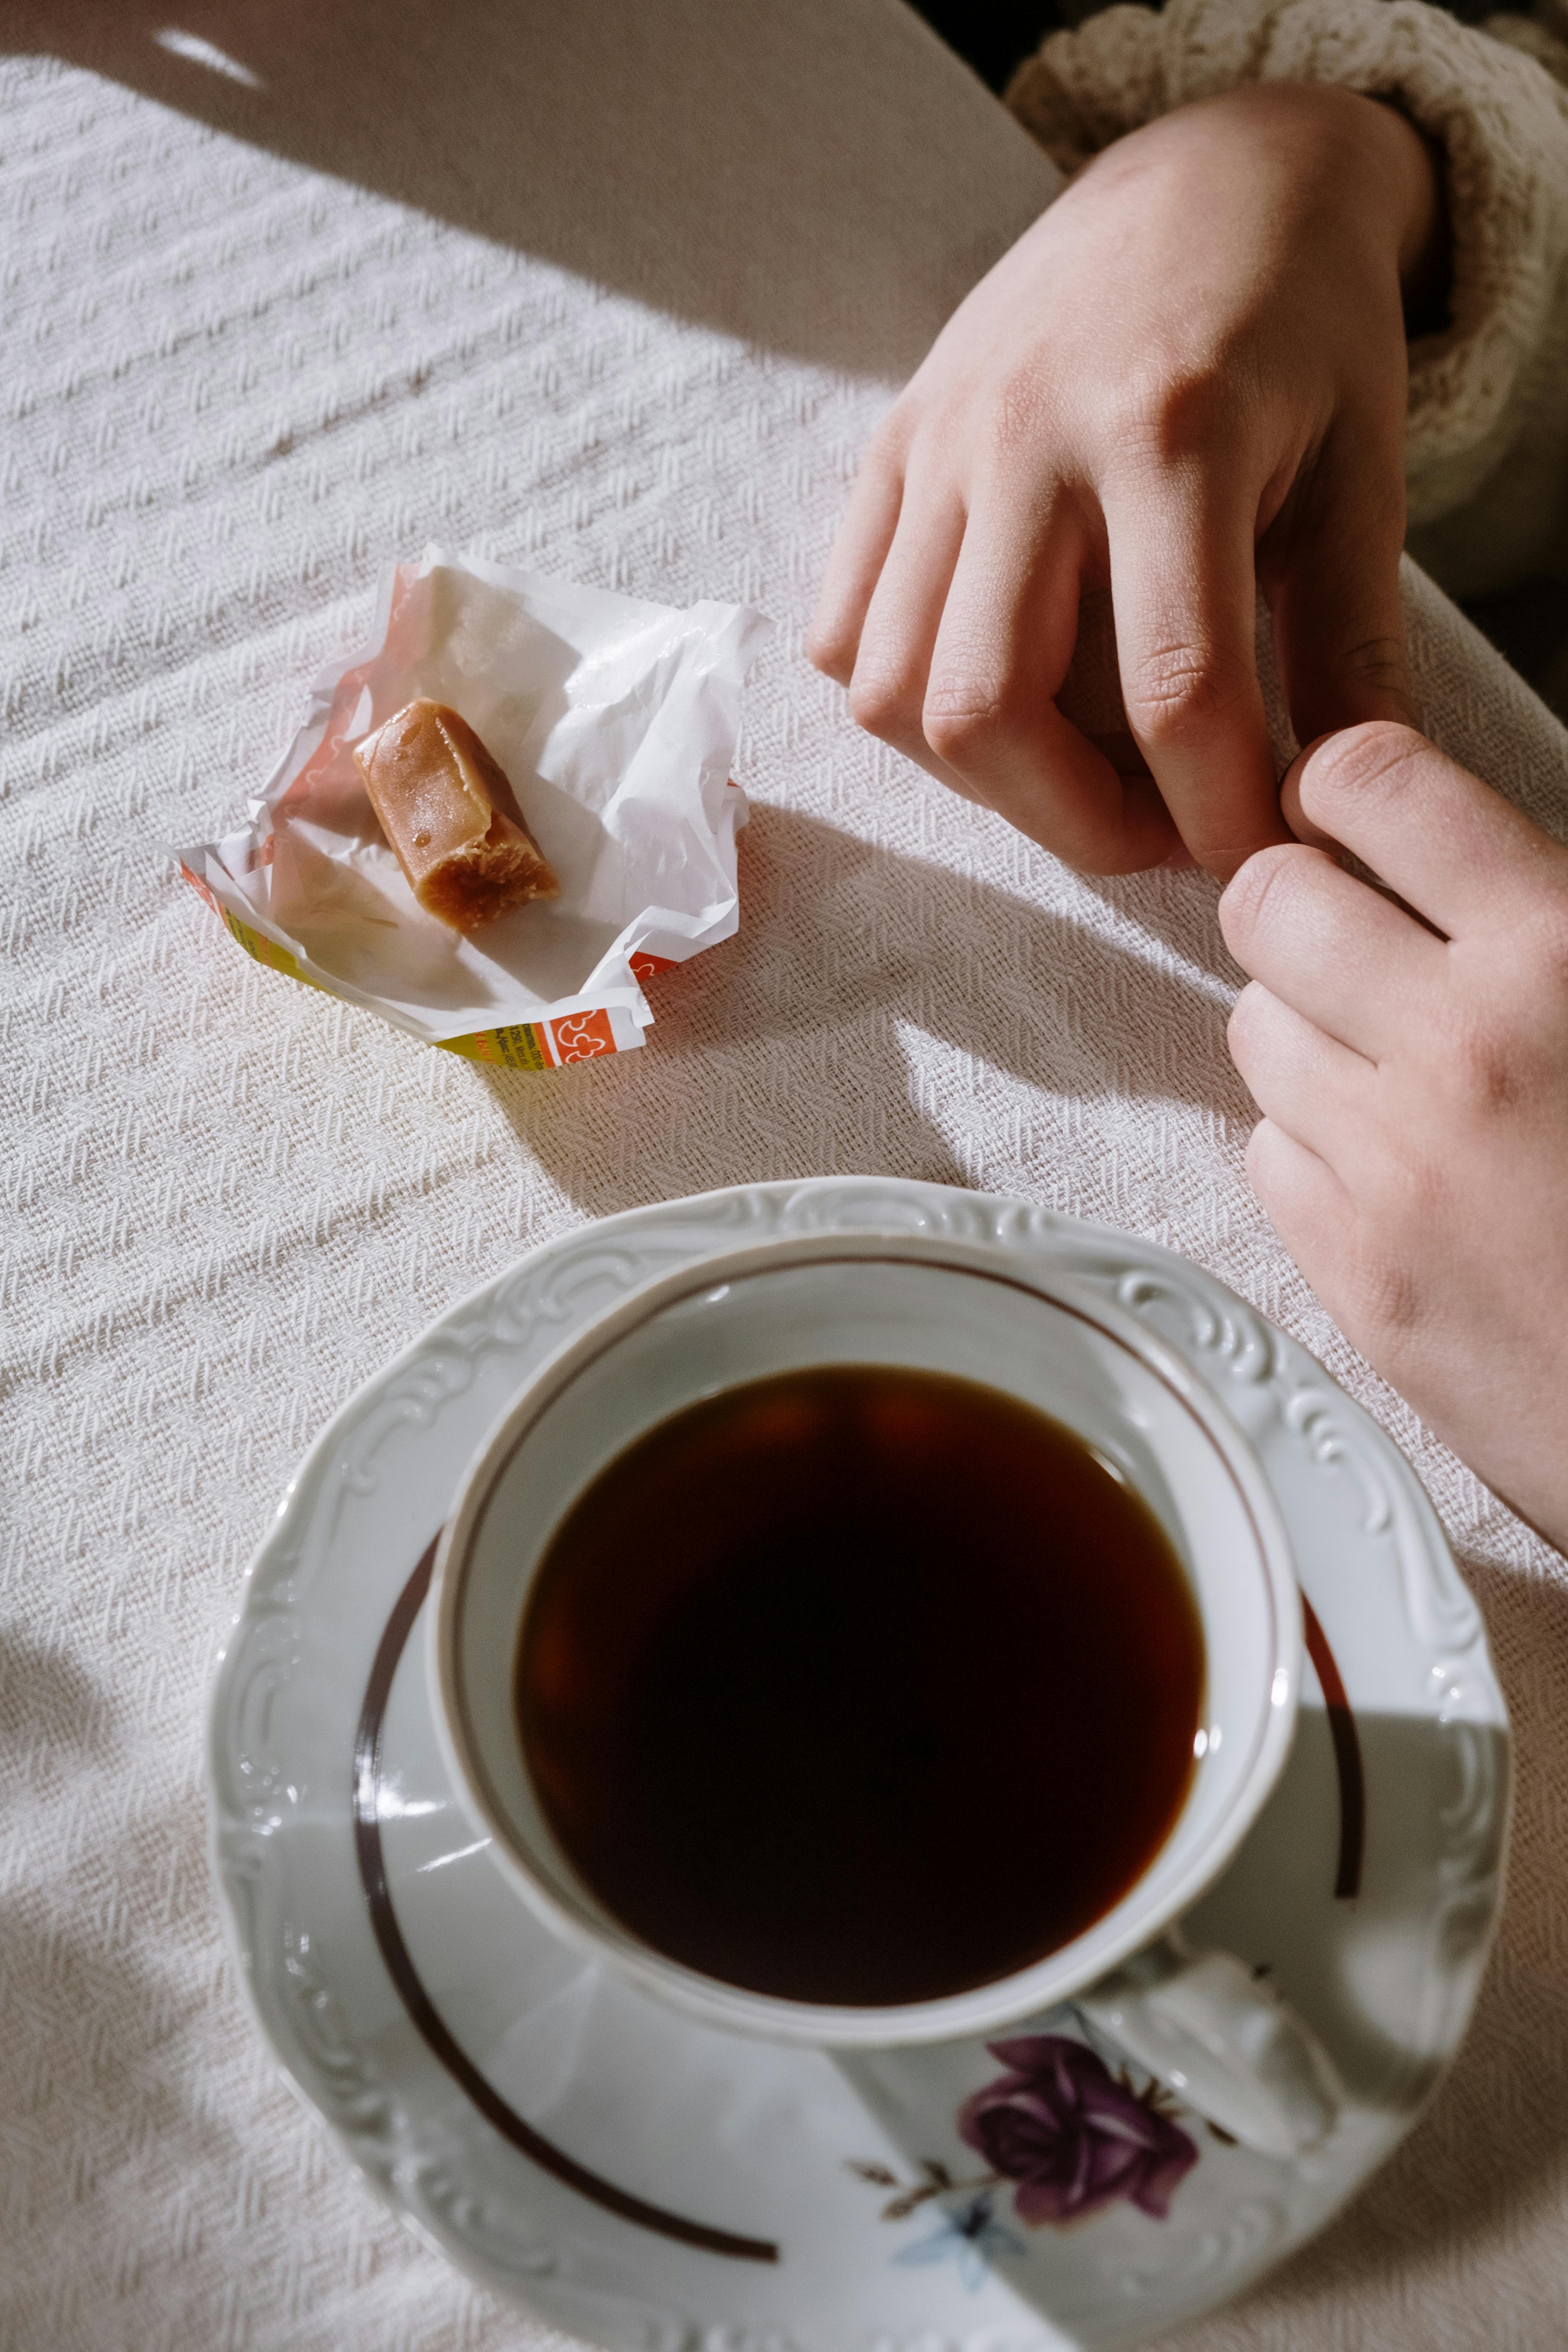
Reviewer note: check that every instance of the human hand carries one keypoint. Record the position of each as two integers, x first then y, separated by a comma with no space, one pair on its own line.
1186,381
1413,1152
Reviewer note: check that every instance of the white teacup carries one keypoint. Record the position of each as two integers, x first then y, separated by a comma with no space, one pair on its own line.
1196,2019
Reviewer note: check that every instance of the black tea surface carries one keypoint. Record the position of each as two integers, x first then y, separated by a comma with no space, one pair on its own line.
859,1684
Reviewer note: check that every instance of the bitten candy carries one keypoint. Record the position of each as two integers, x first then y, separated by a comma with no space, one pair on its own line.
435,787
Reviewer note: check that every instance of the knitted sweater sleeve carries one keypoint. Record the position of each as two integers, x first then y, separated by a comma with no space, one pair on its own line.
1487,441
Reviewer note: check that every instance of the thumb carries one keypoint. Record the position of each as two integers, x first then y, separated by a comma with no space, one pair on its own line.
1295,815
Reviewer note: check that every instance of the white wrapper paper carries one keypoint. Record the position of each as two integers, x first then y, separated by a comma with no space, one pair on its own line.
616,721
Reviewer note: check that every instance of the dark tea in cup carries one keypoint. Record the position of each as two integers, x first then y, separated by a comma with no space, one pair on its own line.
859,1684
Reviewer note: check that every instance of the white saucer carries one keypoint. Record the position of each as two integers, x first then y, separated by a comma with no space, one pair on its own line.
632,2177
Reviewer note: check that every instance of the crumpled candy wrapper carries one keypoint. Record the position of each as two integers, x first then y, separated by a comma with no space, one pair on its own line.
616,721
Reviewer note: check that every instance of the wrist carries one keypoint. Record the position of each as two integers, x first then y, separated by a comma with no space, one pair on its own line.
1309,152
1419,201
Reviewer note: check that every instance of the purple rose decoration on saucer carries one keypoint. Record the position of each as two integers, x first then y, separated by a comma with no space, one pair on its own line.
1072,2137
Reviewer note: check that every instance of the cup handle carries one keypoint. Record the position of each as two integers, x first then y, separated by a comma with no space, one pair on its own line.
1223,2040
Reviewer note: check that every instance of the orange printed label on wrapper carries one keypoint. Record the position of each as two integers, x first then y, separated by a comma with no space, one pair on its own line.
539,1045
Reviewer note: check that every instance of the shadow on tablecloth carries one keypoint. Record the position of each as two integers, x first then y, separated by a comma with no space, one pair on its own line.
800,177
767,1051
752,168
1473,2167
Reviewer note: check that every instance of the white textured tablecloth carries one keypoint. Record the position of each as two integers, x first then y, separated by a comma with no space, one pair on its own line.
617,290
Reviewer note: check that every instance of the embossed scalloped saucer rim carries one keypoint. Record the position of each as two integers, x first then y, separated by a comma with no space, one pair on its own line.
629,2176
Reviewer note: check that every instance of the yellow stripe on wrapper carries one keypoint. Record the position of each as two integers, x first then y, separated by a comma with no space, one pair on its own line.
268,952
522,1047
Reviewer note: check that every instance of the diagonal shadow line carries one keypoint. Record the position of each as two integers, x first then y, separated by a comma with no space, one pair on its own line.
826,179
779,1054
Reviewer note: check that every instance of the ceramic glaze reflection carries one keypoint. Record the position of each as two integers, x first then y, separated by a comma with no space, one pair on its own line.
859,1684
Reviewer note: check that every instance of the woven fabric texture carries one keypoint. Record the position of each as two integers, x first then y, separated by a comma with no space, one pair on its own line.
617,290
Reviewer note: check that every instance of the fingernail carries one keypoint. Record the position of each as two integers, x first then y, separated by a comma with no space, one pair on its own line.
1179,861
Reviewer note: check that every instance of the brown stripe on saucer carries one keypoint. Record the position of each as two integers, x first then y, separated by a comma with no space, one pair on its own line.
417,2001
1347,1755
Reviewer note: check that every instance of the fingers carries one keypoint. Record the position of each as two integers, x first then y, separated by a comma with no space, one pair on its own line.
1307,1204
1185,596
892,662
1337,951
1316,1089
1002,651
855,563
953,654
1332,585
1455,850
1368,1293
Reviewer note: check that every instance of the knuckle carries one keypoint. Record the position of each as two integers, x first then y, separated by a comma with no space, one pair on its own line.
1178,691
1488,1068
831,647
1380,660
1379,760
960,737
1389,1300
884,701
1380,663
1015,419
1170,411
965,717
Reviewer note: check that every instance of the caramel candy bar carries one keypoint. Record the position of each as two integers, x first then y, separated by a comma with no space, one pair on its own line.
435,788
